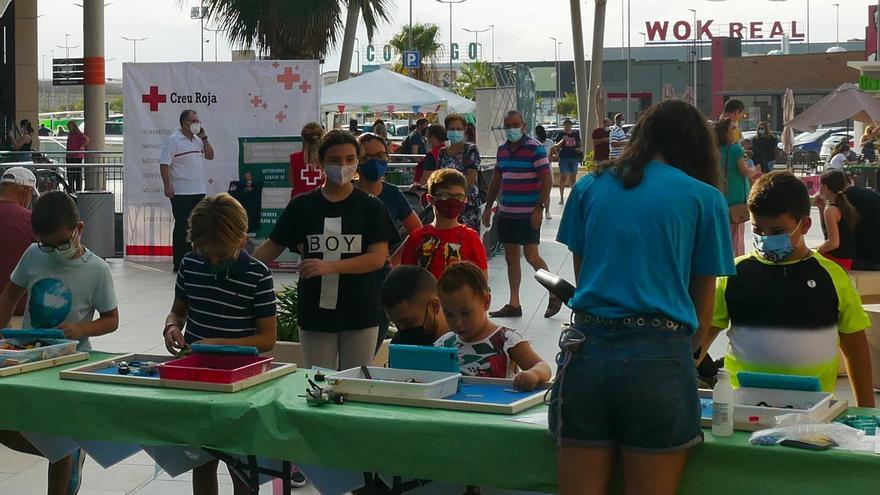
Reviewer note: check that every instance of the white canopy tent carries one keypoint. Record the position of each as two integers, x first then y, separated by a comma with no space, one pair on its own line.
387,91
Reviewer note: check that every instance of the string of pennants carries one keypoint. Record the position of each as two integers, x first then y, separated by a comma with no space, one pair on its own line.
391,108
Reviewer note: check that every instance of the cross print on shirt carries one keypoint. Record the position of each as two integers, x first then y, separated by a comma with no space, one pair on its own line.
331,245
310,175
288,78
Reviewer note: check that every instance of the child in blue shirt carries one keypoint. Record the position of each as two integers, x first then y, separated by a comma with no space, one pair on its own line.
648,234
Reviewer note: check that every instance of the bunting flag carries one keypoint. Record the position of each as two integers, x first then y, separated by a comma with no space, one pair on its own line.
341,108
415,108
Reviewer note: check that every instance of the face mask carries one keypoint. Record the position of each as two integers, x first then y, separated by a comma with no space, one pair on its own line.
514,135
373,170
418,335
66,255
762,132
340,174
455,136
195,128
622,121
450,208
774,248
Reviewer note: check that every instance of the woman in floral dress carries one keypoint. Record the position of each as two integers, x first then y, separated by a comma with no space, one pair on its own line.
464,157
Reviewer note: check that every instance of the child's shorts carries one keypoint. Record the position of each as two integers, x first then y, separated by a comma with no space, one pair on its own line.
629,388
569,166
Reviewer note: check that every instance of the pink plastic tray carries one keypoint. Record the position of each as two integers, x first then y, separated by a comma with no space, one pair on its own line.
214,368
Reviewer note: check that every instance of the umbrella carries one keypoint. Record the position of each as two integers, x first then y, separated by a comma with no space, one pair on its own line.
668,92
844,103
788,116
688,95
601,98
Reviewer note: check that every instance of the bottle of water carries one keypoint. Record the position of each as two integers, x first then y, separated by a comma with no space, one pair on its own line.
722,405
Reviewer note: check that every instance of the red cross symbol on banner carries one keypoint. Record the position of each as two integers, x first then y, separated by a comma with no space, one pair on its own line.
256,100
280,116
153,98
310,175
288,78
305,87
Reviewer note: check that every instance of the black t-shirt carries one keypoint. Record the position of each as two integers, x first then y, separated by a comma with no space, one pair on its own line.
415,138
317,228
251,199
571,146
867,232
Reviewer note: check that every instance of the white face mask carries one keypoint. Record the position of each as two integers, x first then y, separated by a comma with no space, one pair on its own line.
195,128
340,174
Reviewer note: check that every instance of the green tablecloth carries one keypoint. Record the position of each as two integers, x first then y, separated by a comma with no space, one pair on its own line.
272,420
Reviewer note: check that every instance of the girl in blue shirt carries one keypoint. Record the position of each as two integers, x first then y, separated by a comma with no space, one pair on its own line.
648,235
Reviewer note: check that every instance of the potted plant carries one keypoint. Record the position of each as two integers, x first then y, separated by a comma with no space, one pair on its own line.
287,347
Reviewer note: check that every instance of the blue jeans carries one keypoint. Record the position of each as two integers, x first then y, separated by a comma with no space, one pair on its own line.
629,388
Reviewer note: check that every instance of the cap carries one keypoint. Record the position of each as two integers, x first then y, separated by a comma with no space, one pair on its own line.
20,176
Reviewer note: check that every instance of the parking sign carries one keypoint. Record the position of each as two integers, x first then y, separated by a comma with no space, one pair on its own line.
411,60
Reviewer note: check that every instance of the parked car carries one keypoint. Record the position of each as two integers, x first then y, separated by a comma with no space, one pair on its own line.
812,141
832,141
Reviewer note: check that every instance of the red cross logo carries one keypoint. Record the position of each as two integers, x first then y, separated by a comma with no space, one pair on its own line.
305,87
210,180
280,116
288,78
153,98
310,175
256,100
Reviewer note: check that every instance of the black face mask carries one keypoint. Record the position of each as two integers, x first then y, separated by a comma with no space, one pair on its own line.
416,335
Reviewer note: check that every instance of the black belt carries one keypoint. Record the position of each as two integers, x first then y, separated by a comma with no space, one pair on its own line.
659,322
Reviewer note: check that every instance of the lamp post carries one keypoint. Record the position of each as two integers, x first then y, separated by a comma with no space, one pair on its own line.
199,13
492,27
451,3
696,59
628,56
837,35
556,44
644,44
67,48
134,42
476,33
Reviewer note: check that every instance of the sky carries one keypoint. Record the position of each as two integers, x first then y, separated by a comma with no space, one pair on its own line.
522,27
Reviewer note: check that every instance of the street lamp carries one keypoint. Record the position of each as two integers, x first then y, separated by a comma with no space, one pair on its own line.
215,31
451,3
556,44
645,43
199,13
67,48
492,27
134,42
476,37
696,59
357,44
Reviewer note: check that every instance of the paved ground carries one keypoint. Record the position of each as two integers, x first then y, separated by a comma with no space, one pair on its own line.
145,294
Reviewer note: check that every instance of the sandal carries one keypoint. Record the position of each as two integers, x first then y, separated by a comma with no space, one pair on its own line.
553,307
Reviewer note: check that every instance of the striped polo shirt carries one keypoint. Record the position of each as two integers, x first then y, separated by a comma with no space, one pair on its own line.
224,305
521,172
785,318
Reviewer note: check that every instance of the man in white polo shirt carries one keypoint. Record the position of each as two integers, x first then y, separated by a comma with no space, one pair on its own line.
183,174
617,139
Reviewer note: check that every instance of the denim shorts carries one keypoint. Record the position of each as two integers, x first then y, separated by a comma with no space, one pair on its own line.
630,388
569,166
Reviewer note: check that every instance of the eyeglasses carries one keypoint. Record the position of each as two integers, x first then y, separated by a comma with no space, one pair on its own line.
444,196
375,156
64,246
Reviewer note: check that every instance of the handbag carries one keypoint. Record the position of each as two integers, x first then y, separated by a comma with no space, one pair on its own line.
737,214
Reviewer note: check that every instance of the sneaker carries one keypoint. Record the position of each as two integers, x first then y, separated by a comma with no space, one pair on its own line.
553,307
507,311
547,215
297,479
79,458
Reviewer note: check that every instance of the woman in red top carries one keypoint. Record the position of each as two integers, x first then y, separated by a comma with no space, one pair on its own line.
305,170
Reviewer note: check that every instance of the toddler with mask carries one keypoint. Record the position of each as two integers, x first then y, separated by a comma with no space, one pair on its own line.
445,241
788,308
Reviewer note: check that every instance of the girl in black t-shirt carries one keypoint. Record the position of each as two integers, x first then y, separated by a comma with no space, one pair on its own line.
342,234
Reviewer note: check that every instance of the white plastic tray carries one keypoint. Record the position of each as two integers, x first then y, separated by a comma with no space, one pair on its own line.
749,416
390,382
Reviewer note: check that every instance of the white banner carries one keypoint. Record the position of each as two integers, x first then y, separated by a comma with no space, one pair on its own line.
234,99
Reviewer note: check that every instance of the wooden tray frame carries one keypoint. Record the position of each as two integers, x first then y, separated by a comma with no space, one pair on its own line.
86,373
532,400
836,408
43,364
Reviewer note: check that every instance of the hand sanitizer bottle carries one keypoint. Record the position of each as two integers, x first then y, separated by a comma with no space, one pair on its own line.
722,405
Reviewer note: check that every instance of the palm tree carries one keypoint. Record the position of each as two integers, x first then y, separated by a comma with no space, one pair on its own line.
373,11
474,75
288,29
425,41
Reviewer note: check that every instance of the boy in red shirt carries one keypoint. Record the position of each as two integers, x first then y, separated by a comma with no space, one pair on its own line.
445,241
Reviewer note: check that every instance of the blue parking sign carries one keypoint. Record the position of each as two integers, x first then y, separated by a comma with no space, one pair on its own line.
411,60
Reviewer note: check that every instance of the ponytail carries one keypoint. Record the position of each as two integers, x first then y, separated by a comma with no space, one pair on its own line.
836,181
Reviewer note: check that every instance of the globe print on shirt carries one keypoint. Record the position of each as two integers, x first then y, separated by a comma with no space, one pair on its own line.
49,303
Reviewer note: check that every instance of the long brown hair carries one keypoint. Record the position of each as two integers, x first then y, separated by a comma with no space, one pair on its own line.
836,181
311,134
722,131
680,134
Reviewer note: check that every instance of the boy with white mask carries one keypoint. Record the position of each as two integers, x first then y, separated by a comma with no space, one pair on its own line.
342,234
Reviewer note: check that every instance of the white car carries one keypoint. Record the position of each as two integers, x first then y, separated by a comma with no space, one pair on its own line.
832,141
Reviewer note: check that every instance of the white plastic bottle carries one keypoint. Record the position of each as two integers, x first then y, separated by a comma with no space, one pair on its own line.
722,405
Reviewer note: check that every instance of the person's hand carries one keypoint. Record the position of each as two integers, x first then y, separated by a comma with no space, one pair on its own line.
537,217
314,267
72,331
487,217
174,340
820,202
202,134
526,380
169,191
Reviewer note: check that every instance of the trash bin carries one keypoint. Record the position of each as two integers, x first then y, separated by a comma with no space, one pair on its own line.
96,208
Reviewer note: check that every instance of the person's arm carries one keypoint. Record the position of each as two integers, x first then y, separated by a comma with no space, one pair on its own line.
471,178
264,338
546,187
831,216
491,196
702,292
209,150
744,169
8,300
268,251
165,172
371,261
534,370
106,323
172,333
411,222
858,366
86,140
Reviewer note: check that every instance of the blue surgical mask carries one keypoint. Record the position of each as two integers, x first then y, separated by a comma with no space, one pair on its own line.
514,135
373,170
774,248
455,136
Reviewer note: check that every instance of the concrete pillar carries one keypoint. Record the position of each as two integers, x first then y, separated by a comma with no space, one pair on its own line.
581,83
595,70
27,103
93,89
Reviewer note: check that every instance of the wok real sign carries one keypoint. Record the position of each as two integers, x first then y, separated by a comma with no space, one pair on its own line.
669,31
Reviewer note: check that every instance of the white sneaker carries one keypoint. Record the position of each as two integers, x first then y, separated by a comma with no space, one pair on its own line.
547,215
